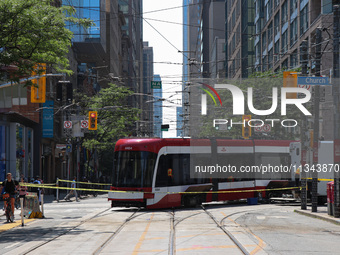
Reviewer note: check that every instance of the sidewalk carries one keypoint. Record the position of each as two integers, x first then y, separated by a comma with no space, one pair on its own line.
320,214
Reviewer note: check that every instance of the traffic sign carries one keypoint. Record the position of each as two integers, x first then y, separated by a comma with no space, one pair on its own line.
67,124
84,124
313,81
308,87
156,84
258,128
68,147
265,128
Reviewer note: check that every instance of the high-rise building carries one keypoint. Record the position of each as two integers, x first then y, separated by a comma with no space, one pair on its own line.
216,39
239,49
132,47
98,47
146,127
157,108
179,121
281,26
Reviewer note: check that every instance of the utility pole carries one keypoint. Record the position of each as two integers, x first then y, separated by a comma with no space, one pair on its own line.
335,89
316,120
304,63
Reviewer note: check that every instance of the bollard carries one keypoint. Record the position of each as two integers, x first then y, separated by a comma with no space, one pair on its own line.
42,205
22,211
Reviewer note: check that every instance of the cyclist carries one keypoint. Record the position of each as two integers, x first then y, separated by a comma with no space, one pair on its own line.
10,186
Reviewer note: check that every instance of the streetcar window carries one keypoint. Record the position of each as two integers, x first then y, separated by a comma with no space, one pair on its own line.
133,168
277,160
179,165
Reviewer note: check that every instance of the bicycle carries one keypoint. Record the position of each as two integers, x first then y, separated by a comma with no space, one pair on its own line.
17,201
8,208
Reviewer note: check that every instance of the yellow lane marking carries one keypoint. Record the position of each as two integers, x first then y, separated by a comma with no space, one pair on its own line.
198,247
261,242
142,238
187,236
152,251
7,226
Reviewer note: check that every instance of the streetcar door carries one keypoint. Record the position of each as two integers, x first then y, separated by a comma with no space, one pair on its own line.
161,182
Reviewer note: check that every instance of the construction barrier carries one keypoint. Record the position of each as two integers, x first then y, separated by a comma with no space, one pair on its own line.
32,207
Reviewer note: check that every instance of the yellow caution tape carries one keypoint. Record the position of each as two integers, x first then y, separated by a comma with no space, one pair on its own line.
180,192
89,183
322,180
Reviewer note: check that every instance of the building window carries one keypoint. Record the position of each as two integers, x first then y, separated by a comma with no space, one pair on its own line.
264,41
258,26
269,9
270,33
285,64
264,63
284,12
90,10
277,51
277,23
293,32
293,59
293,6
304,20
257,53
270,59
284,46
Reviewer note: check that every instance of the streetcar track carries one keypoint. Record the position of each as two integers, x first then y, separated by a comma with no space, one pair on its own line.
228,233
115,233
172,234
172,241
64,233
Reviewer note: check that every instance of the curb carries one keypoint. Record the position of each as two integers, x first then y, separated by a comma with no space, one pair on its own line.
321,217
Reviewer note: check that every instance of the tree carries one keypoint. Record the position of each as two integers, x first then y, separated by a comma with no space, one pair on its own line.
262,84
116,119
32,32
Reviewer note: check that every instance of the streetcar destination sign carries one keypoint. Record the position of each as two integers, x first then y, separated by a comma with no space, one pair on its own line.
313,81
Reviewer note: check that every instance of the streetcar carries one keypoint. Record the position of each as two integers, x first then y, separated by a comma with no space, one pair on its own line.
162,172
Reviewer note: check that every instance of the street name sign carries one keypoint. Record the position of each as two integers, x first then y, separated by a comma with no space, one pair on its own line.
156,84
313,81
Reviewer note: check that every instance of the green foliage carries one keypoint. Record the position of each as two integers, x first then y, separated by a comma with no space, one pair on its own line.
115,118
34,31
262,84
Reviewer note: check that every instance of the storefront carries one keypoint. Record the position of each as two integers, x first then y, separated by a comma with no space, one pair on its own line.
17,154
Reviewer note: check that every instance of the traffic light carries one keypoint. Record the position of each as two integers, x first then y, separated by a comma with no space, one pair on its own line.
69,92
38,89
290,81
93,120
59,97
246,129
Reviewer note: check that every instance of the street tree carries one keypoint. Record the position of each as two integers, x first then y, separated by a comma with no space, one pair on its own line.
262,84
116,119
33,32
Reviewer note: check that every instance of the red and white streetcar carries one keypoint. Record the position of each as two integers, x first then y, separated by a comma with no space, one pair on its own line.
155,172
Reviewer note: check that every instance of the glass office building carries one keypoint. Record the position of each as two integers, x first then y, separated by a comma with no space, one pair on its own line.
87,9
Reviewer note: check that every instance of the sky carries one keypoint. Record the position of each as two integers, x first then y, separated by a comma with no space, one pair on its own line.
166,40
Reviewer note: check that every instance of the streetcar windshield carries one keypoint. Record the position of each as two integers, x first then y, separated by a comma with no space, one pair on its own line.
133,168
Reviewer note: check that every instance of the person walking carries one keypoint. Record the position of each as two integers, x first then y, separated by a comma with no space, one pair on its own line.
22,190
72,192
